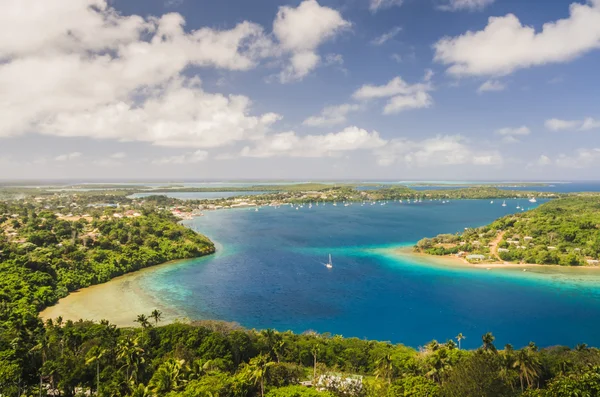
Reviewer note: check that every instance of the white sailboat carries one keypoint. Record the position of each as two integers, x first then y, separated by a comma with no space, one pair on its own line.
492,202
329,265
532,200
504,204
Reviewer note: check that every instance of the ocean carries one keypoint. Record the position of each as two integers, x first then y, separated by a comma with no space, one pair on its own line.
269,273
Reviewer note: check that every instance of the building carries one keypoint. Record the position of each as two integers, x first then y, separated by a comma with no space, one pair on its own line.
475,257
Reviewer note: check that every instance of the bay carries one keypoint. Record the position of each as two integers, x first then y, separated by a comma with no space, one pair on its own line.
269,273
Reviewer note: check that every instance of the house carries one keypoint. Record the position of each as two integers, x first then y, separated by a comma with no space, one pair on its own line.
527,238
475,257
551,248
594,262
503,250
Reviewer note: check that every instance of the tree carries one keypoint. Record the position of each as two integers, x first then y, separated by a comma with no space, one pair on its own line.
257,370
460,337
156,315
94,357
131,354
488,342
385,368
168,377
528,366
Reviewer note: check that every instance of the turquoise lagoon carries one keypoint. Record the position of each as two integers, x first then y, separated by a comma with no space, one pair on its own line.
269,273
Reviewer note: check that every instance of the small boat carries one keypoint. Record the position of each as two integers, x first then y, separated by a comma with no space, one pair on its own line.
518,207
256,210
532,200
504,204
492,202
329,265
335,204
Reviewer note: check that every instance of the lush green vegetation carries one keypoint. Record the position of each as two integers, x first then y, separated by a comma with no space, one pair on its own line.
218,359
560,232
51,245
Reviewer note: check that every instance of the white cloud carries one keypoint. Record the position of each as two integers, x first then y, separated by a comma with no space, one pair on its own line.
188,158
505,45
521,131
386,36
511,135
68,156
332,115
572,125
397,57
470,5
301,31
432,152
376,5
179,114
403,96
90,72
543,160
491,85
118,155
329,145
583,158
590,124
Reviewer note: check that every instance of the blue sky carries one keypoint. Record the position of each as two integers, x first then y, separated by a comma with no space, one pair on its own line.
387,89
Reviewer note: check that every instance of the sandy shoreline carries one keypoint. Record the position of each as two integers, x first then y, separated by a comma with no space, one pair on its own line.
451,260
119,300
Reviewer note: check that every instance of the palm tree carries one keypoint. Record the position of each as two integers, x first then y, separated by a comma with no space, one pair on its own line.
96,355
156,315
131,353
258,370
528,365
385,368
169,377
460,337
143,321
315,352
488,342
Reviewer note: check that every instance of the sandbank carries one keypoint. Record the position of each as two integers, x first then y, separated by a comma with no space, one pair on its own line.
452,260
119,301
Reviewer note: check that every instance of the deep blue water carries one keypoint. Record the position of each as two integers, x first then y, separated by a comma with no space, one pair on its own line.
269,273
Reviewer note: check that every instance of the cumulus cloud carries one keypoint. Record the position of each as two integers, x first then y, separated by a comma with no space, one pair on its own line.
68,156
511,135
386,36
506,45
587,124
187,158
376,5
301,31
437,151
291,144
544,160
470,5
102,75
402,96
332,115
180,114
491,85
583,158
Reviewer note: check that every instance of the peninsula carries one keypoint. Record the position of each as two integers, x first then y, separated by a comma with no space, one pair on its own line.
562,232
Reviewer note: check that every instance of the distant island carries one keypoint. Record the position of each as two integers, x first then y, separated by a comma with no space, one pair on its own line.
562,232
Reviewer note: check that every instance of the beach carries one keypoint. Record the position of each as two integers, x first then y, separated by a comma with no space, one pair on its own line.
407,252
119,301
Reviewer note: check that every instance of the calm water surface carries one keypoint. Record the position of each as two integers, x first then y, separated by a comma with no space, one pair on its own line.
269,273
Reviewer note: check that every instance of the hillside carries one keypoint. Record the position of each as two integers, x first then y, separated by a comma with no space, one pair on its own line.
564,232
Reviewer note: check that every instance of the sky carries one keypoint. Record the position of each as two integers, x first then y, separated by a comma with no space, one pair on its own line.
289,89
